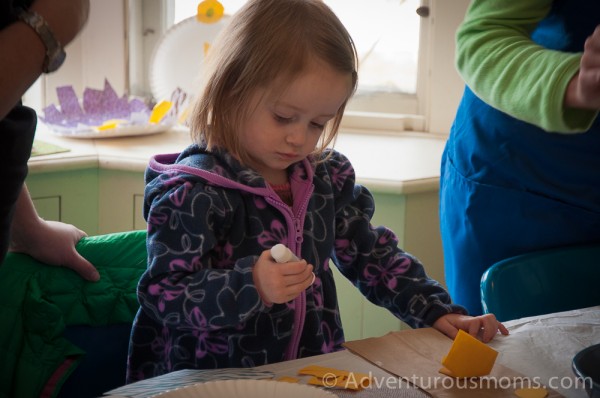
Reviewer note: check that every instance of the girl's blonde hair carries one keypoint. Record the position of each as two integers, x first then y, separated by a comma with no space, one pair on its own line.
266,43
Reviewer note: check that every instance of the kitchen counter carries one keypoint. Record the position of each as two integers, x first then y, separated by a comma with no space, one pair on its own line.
399,164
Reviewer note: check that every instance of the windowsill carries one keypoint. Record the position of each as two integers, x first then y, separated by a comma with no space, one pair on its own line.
403,163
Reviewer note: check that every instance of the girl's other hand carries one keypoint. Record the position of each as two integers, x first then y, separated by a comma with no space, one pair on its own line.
484,327
280,283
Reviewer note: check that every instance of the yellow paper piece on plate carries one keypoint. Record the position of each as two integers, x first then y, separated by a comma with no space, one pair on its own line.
110,124
531,392
159,111
184,115
336,378
468,357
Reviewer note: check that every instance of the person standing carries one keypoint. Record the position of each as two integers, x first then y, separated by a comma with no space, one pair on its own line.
521,169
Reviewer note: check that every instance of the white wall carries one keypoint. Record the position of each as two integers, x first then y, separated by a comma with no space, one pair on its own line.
445,85
99,52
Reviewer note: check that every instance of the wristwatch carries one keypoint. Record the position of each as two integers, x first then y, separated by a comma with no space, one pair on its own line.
55,54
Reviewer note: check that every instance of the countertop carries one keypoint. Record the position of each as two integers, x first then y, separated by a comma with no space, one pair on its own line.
392,163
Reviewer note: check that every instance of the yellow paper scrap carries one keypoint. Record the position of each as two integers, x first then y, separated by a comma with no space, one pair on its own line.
468,357
110,124
159,111
182,118
336,378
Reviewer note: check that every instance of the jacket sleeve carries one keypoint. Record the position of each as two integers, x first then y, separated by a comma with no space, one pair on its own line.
370,258
191,282
505,68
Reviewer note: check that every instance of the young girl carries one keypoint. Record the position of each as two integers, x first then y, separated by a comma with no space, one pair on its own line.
259,175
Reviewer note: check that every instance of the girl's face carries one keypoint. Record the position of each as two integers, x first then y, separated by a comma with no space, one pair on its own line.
283,128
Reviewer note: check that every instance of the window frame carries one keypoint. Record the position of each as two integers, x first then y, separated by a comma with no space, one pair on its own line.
389,111
432,109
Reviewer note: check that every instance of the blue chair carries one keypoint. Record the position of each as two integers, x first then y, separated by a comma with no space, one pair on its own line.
542,282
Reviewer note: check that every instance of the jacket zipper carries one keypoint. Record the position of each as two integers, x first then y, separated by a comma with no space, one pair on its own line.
299,302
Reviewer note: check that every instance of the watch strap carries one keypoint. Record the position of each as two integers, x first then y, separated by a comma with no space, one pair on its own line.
55,54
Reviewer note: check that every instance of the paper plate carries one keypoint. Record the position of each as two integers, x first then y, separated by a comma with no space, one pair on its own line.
102,113
247,389
177,58
122,131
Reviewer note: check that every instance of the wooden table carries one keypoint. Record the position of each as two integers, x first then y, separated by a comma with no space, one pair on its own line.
539,347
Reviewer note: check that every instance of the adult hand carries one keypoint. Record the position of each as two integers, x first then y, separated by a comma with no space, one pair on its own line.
484,327
280,283
584,89
50,242
53,243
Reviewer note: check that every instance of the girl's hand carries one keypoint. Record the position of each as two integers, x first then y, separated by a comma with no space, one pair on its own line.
484,327
280,283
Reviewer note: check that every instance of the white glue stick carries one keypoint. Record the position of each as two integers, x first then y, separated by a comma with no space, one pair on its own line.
282,254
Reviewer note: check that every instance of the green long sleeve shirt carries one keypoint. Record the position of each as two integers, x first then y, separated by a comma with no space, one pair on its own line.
505,68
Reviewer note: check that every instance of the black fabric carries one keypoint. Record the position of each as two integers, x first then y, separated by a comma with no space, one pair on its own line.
8,10
16,133
16,137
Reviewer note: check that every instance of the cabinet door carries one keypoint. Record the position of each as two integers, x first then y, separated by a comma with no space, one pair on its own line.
67,196
121,198
48,207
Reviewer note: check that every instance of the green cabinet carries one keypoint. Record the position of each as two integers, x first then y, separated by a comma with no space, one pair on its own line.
95,200
414,219
121,195
69,196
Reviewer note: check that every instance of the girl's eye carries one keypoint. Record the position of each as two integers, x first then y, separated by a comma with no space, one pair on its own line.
282,119
317,125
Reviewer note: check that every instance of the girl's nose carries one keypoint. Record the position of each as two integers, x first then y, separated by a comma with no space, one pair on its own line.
296,135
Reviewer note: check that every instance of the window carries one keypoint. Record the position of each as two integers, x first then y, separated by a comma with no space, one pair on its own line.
386,33
422,97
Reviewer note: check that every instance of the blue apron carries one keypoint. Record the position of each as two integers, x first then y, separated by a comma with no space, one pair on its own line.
508,187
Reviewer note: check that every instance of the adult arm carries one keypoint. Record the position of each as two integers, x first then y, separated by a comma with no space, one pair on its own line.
50,242
24,65
504,67
47,241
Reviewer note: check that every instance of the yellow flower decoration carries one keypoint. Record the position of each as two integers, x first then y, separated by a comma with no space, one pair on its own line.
209,11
